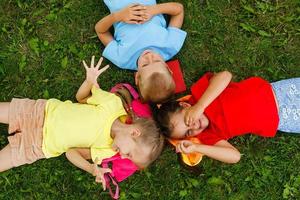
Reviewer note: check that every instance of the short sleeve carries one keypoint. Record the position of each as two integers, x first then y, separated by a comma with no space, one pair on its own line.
200,86
107,100
176,38
209,138
111,52
99,96
101,153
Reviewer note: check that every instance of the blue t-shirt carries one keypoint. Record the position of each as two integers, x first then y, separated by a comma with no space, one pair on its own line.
130,40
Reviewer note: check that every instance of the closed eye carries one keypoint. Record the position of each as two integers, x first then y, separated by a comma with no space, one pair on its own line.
188,133
155,61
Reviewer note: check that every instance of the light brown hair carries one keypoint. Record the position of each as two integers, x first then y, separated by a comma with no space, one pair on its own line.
151,137
157,88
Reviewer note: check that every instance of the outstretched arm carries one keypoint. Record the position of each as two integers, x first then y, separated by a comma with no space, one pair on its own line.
217,85
79,157
131,15
222,150
92,73
175,10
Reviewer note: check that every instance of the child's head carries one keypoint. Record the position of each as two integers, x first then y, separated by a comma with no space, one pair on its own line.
170,117
141,142
153,78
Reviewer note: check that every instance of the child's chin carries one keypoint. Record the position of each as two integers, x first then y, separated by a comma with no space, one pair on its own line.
114,147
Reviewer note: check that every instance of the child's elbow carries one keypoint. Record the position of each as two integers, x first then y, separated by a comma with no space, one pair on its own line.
236,157
77,98
98,29
69,153
180,8
227,74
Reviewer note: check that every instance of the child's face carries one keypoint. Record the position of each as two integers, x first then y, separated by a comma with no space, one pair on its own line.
181,130
149,63
128,147
149,58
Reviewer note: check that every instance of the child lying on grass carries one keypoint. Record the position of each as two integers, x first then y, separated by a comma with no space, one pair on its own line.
220,109
143,41
90,129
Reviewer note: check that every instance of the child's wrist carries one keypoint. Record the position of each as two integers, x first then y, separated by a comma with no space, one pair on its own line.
89,83
92,169
199,107
153,10
116,16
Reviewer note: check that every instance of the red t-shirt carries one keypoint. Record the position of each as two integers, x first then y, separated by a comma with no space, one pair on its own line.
244,107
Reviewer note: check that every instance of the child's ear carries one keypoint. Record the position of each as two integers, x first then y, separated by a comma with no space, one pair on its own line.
136,79
135,132
184,104
168,68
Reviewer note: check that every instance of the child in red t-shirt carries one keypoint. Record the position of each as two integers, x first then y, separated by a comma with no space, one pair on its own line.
220,109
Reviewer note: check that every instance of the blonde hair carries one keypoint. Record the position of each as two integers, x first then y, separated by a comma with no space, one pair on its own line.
150,137
158,87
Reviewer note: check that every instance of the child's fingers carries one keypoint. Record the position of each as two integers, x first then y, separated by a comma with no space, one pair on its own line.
187,120
103,69
103,182
85,65
136,18
106,170
99,63
178,150
132,22
93,61
138,7
138,13
98,179
134,5
182,147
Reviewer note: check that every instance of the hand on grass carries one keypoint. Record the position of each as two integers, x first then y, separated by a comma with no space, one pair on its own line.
93,72
133,14
185,146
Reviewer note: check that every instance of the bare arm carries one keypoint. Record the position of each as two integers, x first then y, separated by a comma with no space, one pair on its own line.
92,73
79,158
222,150
131,15
217,85
175,10
102,28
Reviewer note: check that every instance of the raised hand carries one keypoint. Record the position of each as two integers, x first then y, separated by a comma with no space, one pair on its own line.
133,14
185,146
93,72
192,114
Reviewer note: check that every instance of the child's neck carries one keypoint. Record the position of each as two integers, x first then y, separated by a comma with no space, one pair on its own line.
117,128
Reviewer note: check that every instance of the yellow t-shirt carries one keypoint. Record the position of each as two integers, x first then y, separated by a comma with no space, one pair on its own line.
70,125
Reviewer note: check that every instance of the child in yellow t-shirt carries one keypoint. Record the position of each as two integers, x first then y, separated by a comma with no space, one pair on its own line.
90,129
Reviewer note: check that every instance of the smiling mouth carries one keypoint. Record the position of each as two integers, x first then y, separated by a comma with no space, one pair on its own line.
145,52
200,124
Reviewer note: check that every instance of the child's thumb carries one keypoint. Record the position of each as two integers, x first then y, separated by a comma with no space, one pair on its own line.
107,170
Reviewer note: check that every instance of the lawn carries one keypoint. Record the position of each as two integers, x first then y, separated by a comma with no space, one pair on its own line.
42,44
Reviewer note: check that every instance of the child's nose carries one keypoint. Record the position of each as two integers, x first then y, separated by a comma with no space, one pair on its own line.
193,125
123,156
149,57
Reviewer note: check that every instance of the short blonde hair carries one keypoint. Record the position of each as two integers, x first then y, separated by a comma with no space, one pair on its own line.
150,137
158,87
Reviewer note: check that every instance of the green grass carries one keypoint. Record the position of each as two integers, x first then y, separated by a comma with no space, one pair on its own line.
43,42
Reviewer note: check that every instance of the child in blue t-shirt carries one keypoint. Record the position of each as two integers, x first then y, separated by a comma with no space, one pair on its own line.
143,41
